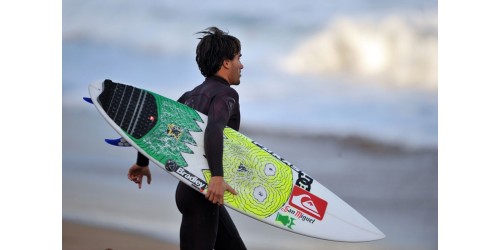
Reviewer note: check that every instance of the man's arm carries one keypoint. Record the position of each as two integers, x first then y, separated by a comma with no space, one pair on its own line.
218,116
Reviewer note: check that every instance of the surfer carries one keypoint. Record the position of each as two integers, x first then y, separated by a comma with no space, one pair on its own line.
206,224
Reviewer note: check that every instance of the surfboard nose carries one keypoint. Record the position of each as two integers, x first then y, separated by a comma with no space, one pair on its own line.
373,233
343,223
360,230
356,233
381,235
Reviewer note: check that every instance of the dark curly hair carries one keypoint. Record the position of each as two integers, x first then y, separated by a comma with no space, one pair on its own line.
214,47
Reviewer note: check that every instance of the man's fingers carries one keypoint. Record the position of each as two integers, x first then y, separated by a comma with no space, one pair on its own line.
139,181
215,193
209,195
219,199
231,189
149,179
214,198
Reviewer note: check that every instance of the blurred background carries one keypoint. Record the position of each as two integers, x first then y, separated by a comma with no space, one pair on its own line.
346,90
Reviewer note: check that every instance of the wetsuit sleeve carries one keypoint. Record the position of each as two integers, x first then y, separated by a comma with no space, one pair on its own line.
142,160
219,113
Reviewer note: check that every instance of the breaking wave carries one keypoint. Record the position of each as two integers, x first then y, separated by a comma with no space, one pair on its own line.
399,50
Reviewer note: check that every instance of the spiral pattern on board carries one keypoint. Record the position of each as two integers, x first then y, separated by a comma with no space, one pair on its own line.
263,182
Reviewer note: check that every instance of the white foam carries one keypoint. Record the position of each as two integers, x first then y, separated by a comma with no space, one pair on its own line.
398,49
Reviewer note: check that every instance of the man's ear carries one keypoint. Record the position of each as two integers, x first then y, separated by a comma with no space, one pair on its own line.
226,63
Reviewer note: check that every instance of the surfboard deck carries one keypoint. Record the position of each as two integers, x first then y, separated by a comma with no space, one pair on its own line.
270,189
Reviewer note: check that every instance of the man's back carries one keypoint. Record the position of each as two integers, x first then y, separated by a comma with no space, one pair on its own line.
215,92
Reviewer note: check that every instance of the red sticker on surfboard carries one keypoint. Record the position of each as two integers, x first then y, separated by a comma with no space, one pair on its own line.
308,203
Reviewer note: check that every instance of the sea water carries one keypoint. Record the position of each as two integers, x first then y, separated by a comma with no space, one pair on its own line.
365,68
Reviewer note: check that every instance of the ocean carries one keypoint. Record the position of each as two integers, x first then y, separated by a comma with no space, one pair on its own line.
345,90
344,67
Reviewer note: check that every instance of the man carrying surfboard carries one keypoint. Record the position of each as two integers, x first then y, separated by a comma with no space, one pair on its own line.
206,224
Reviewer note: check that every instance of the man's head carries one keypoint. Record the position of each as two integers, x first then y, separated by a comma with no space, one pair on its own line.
219,54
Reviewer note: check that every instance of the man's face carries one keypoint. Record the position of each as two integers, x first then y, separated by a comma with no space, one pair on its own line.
235,70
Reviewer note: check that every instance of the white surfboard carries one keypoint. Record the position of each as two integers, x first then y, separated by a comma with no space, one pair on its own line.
270,189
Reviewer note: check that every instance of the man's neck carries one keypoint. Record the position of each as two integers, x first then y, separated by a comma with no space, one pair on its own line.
223,77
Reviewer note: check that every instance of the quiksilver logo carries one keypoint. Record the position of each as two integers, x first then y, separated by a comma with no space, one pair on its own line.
308,203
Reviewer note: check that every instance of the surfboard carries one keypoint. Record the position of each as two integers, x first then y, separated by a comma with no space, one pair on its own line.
270,189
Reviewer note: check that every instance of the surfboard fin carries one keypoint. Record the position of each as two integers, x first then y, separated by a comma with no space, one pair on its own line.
88,99
120,142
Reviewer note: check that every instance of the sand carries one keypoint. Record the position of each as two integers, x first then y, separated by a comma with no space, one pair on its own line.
77,236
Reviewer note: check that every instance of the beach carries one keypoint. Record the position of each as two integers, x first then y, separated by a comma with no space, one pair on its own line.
394,187
78,236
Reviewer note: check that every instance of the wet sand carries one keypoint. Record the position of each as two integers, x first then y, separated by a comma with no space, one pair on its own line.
77,236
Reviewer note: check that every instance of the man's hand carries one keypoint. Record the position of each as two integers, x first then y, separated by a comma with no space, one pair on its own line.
216,189
136,172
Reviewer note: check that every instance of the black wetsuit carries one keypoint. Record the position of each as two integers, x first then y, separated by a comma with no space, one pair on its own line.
206,225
